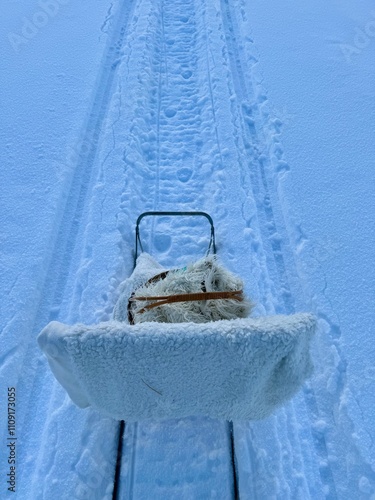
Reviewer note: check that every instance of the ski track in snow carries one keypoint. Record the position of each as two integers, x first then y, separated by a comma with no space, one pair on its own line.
87,433
266,154
180,121
252,127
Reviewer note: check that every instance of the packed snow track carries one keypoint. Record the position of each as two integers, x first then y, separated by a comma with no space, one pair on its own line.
145,105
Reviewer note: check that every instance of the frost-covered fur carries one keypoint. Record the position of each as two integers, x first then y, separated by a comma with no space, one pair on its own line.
204,275
240,369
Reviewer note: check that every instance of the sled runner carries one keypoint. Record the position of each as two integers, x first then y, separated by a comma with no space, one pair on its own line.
232,369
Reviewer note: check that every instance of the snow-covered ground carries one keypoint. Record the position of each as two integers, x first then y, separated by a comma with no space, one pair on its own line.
259,113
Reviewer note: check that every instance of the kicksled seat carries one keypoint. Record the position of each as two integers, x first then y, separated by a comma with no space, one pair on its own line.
231,369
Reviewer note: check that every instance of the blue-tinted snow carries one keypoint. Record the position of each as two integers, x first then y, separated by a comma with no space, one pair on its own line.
259,113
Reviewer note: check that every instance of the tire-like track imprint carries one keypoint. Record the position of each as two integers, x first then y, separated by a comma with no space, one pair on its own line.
253,126
82,163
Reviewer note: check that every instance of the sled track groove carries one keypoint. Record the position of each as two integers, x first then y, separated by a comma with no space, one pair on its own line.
259,163
74,207
86,167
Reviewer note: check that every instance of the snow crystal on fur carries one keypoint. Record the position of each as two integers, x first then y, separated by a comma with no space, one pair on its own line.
204,275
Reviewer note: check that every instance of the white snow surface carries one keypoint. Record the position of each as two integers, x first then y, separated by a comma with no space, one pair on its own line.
259,113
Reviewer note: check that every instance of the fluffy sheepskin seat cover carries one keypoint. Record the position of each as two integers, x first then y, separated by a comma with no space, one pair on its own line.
236,369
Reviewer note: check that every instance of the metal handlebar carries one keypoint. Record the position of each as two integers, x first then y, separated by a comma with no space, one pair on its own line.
212,244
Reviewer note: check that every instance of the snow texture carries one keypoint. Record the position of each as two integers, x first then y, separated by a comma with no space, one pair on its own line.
261,114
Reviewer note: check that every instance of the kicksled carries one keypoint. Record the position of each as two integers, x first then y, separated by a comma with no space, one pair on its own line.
181,343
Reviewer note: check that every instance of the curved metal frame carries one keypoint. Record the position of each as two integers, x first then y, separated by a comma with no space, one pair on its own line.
212,244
